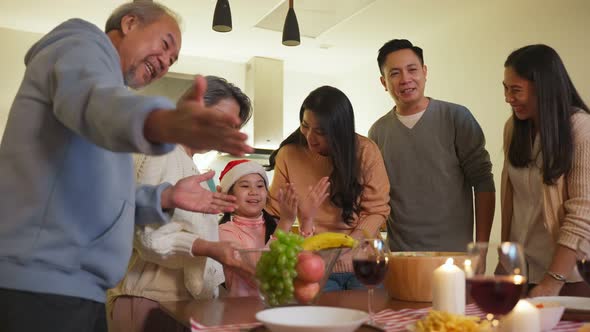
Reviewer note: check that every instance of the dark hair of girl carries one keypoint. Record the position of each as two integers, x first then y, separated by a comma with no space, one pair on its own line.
270,223
557,100
336,117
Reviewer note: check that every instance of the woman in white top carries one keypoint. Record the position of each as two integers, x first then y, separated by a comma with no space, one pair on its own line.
170,263
546,175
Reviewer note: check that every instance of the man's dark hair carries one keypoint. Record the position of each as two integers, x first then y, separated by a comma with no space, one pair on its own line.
396,45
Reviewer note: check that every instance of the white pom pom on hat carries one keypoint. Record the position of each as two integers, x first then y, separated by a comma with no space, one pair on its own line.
235,169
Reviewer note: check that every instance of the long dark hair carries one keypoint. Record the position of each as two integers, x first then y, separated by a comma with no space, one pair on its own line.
270,223
557,100
336,117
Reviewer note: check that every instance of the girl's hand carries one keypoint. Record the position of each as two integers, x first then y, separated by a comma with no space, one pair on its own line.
288,203
310,204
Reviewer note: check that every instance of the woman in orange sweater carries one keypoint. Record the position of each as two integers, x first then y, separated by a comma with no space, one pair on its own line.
546,175
326,150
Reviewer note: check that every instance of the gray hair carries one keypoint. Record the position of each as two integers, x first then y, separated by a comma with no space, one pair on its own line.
146,11
219,88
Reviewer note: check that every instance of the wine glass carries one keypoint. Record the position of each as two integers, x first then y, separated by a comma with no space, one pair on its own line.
496,292
583,259
369,260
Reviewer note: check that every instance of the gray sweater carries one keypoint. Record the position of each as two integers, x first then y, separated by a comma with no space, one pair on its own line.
69,198
433,169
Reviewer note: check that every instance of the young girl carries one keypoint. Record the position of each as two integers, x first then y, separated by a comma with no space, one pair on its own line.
546,175
250,226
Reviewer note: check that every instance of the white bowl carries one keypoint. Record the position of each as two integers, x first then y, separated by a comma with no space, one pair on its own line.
550,313
312,318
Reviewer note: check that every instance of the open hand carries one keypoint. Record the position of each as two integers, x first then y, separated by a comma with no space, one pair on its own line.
197,126
188,194
309,205
288,203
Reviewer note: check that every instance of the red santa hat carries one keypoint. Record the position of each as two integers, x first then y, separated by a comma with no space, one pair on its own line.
235,169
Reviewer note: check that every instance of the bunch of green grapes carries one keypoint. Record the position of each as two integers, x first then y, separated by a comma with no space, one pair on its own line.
276,268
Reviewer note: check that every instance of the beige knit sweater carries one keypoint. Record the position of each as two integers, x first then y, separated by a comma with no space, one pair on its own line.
163,271
298,165
566,205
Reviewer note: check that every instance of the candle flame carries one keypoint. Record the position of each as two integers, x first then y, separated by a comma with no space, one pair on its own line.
449,261
518,279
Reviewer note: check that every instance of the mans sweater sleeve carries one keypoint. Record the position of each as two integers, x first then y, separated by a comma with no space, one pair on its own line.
473,157
89,97
149,171
375,197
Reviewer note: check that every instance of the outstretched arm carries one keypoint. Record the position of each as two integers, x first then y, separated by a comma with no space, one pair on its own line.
188,194
197,126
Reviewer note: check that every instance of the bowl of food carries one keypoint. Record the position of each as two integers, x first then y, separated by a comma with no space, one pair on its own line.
409,273
550,312
285,273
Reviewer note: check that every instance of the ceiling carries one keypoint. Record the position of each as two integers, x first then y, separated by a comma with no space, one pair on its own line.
348,31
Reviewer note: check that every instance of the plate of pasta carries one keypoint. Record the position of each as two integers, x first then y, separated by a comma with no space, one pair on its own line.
446,322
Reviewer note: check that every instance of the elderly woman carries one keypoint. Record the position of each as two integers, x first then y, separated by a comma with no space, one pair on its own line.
170,263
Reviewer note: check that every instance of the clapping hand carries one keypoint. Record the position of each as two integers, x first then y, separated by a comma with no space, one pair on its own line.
188,194
288,203
309,205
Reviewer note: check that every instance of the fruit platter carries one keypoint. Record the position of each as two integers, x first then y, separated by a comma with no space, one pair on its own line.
293,269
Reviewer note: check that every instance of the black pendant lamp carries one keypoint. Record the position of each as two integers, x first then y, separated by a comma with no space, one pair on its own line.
222,16
291,28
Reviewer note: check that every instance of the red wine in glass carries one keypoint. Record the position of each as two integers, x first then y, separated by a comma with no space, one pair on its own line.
496,294
370,272
369,262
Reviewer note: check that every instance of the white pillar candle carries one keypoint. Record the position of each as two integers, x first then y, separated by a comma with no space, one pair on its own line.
523,318
448,288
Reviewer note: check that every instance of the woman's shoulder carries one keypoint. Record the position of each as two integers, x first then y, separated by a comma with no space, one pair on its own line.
581,126
367,149
366,144
291,151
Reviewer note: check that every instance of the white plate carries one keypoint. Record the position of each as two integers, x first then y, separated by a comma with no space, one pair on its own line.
569,302
312,318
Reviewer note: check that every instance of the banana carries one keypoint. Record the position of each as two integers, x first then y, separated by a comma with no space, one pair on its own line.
328,240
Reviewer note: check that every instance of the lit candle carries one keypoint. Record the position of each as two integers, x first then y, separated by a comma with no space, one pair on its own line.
448,288
523,318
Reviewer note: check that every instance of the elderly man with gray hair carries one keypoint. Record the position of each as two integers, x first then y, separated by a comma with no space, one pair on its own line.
69,199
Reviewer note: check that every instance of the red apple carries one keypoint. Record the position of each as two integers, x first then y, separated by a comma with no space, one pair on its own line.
310,267
305,292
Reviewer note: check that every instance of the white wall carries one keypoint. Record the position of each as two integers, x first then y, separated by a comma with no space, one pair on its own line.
297,86
14,46
465,64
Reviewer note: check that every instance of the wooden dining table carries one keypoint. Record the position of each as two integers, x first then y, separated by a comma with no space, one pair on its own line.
240,310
